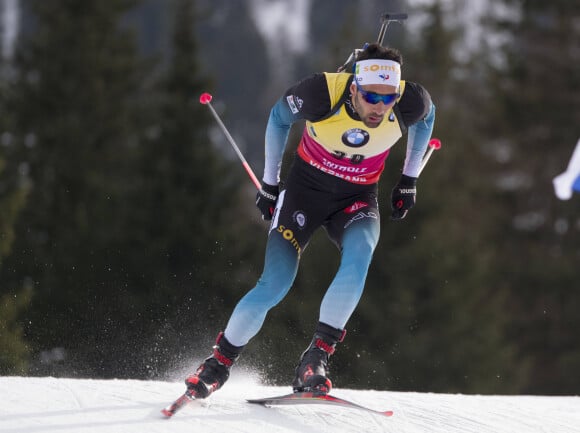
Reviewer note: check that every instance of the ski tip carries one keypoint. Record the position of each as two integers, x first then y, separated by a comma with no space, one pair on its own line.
170,410
167,413
388,413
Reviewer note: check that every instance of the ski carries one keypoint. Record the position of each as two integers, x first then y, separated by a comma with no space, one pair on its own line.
178,404
313,398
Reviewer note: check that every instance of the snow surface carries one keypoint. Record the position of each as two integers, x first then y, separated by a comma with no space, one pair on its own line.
36,405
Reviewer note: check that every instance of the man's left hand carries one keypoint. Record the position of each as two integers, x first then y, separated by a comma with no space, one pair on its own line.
403,197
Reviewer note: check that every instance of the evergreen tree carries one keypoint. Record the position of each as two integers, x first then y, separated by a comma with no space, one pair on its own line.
195,209
75,114
14,351
131,231
536,112
14,187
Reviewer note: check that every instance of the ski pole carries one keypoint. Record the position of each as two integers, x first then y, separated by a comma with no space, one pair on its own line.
205,99
434,144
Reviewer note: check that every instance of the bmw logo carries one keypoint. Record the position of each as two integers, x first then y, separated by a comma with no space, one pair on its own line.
355,137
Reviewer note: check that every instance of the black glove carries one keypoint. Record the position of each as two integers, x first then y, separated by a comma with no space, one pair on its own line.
266,200
403,197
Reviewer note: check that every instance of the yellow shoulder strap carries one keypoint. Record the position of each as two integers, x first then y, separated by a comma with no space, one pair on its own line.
401,88
337,84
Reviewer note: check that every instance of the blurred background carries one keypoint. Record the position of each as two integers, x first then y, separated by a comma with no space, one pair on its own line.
128,229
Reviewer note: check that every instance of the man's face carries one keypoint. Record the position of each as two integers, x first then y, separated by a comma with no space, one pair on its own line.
372,114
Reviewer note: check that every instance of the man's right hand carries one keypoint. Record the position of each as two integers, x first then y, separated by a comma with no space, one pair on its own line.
266,200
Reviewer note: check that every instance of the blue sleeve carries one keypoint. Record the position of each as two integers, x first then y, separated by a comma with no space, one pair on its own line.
277,131
418,138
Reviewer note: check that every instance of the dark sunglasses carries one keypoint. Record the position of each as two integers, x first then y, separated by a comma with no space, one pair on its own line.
375,98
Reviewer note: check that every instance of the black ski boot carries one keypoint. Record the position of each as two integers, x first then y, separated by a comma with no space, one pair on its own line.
312,370
215,370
